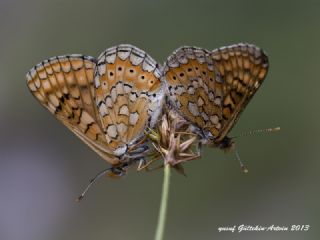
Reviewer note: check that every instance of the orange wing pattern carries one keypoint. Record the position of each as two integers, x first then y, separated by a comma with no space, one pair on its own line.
128,94
64,85
111,101
243,68
211,88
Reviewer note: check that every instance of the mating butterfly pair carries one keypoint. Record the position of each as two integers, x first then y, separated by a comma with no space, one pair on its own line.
111,102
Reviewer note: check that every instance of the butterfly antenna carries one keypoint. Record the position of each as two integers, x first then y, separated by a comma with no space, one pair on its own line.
92,181
243,167
268,130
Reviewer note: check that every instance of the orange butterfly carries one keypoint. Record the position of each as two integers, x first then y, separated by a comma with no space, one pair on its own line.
108,103
211,88
111,102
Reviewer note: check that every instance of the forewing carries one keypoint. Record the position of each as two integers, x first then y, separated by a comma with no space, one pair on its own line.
210,89
64,85
129,93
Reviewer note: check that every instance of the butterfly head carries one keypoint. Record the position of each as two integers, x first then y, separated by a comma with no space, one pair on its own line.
227,144
118,171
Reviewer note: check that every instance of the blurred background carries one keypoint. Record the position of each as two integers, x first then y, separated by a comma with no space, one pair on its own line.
44,167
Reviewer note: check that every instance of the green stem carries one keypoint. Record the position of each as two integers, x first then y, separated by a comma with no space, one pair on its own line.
164,203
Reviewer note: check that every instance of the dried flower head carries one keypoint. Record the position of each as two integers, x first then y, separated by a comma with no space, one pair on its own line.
174,140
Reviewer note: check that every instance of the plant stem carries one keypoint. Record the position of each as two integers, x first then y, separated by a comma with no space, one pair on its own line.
164,203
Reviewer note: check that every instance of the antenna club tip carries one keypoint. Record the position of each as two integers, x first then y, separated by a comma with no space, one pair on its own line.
244,169
277,129
78,199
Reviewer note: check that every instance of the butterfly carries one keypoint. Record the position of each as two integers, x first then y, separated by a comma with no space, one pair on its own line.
210,89
107,102
110,102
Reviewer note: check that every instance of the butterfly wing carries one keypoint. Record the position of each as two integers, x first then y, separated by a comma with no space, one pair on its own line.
64,85
243,67
129,94
210,89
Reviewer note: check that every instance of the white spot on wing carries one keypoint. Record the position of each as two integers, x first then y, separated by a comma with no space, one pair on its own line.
86,118
108,102
132,97
112,131
110,58
96,81
103,110
217,101
214,119
136,56
193,108
119,88
180,90
114,94
205,87
120,150
148,65
191,90
124,110
122,128
178,104
211,96
127,89
124,52
102,69
133,119
200,101
204,116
